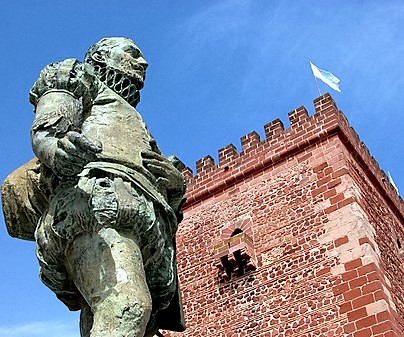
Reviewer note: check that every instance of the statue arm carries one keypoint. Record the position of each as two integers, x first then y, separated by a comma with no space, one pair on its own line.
66,154
61,97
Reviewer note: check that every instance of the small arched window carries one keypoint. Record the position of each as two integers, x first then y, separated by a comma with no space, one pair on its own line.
236,254
400,249
236,231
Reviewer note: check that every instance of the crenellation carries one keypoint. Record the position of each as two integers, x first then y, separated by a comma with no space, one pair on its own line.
324,103
376,165
279,144
227,154
368,164
204,165
250,141
188,175
273,143
298,115
273,129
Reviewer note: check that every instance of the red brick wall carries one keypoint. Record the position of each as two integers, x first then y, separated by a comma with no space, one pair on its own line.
324,224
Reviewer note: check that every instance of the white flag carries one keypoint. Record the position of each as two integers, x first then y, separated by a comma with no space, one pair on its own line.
327,77
392,182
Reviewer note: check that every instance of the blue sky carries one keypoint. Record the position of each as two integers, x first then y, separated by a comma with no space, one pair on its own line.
217,71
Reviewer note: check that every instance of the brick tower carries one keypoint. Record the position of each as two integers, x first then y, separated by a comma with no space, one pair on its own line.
300,234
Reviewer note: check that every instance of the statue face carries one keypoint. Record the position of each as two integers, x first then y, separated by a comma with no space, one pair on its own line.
121,54
128,58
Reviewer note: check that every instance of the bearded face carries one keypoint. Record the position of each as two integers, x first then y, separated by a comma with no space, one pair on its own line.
129,59
120,64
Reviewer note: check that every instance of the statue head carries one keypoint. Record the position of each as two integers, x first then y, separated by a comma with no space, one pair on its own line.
119,63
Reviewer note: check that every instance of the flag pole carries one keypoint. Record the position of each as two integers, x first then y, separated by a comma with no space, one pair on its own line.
318,88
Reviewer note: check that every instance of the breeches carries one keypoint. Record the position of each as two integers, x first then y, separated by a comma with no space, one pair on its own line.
106,202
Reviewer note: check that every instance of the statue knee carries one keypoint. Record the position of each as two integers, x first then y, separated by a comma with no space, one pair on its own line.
121,314
139,312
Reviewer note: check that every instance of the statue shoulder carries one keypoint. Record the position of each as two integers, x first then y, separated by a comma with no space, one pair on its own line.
70,75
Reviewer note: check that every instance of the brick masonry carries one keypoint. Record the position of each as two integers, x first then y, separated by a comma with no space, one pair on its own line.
322,227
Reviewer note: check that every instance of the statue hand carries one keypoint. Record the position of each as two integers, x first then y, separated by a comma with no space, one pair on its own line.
167,176
73,152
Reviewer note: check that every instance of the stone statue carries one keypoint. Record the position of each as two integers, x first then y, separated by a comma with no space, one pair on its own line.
103,201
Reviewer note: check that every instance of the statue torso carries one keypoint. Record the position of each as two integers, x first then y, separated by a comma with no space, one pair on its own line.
119,127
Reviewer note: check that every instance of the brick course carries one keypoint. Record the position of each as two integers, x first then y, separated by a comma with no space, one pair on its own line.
321,225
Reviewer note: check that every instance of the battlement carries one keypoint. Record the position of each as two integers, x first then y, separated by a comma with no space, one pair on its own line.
282,144
274,134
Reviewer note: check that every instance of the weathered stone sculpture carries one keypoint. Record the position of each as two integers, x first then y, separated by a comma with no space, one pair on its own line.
103,199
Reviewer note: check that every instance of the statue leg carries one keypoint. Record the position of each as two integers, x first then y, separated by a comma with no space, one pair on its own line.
107,268
86,320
